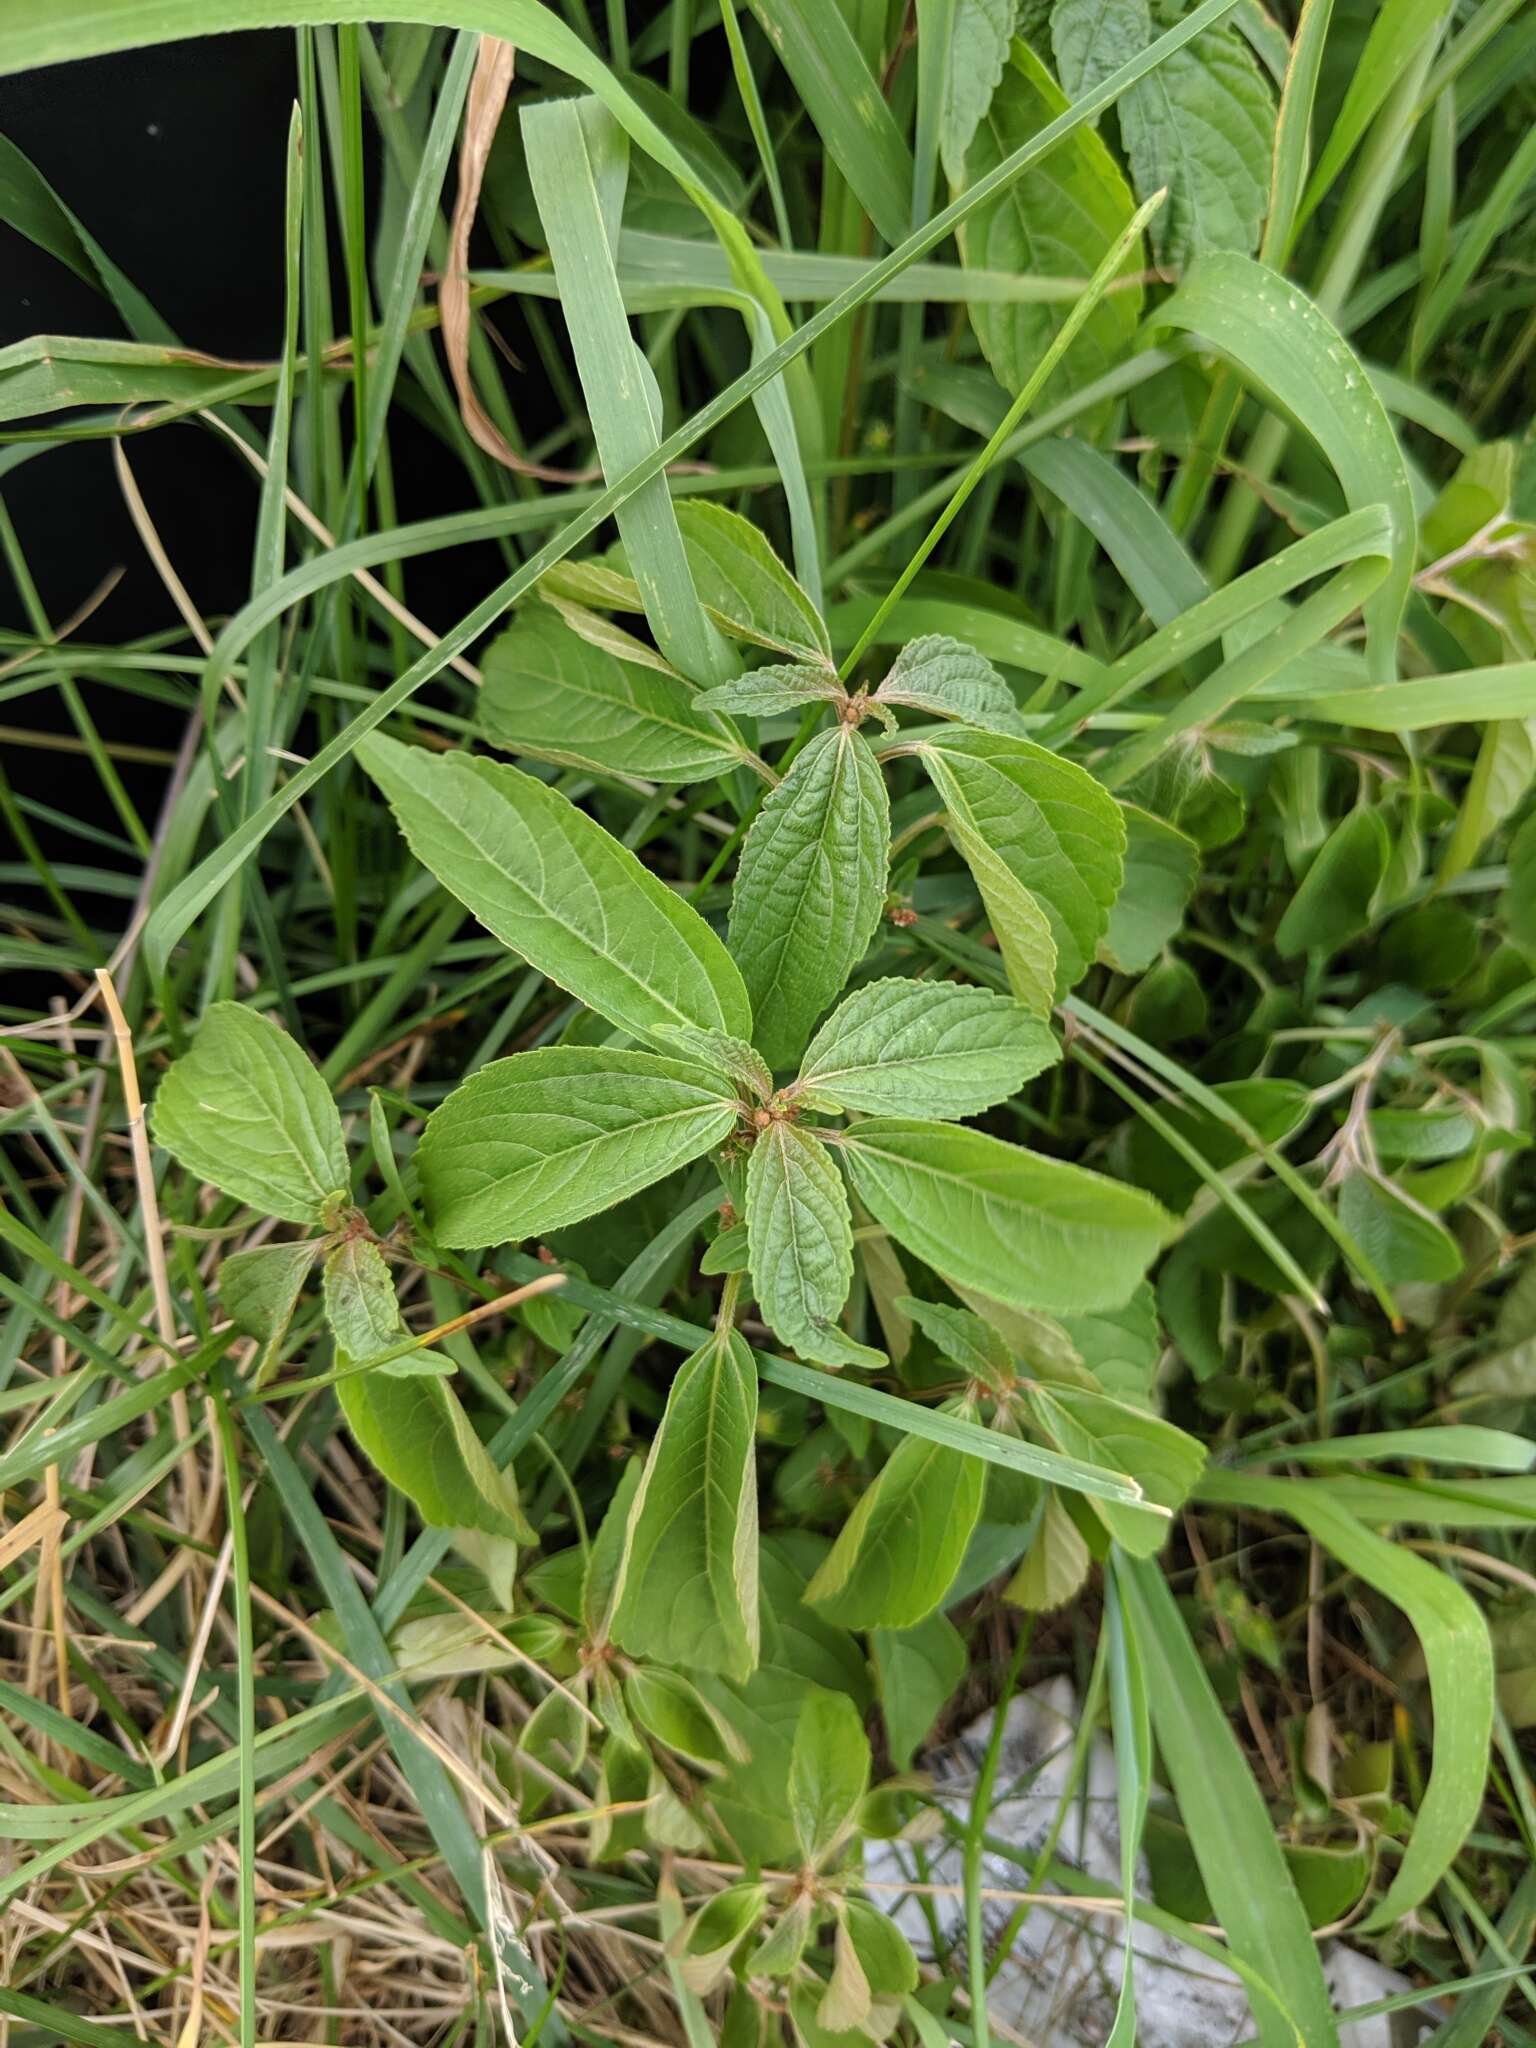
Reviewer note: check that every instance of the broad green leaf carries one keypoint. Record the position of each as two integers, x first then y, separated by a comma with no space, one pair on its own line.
938,1048
259,1290
688,1588
1291,351
1059,218
1163,1460
541,1139
671,1708
1025,1230
550,883
765,692
1229,1826
1402,1239
1333,904
1092,38
1162,865
744,586
979,41
1053,1569
897,1554
715,1932
1121,1347
828,1773
1203,126
418,1435
1457,1655
886,1957
364,1315
944,676
247,1112
558,695
1058,833
800,1245
810,888
965,1340
918,1670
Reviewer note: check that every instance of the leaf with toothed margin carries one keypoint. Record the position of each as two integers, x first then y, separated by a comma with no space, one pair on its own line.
931,1048
810,887
1022,815
1022,1229
800,1245
544,1138
944,676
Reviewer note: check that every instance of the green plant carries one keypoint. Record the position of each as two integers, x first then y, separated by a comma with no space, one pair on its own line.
1006,945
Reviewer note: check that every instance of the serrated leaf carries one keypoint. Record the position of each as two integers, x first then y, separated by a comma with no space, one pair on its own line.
1202,124
979,37
688,1589
1163,1460
1059,218
810,887
767,691
1022,1229
828,1772
918,1670
939,1048
559,696
744,586
898,1553
543,1138
1056,832
1055,1566
1162,865
944,676
246,1111
1121,1346
550,883
1092,38
800,1245
364,1315
668,1706
417,1433
732,1057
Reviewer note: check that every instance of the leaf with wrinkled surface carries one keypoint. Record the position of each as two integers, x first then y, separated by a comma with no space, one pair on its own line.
800,1245
544,1138
944,676
810,887
978,50
934,1048
246,1111
364,1315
